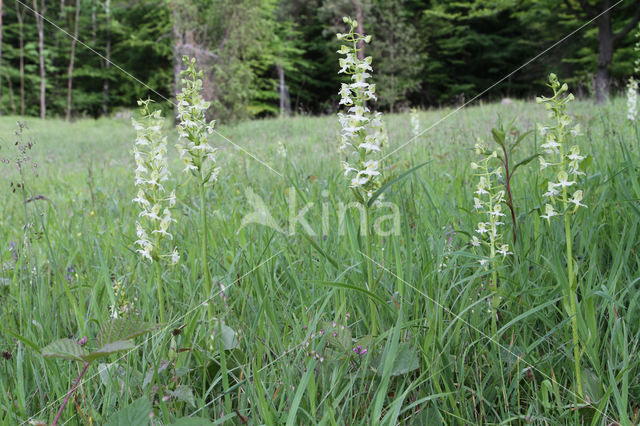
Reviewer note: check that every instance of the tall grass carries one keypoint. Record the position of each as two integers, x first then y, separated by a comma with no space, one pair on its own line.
296,310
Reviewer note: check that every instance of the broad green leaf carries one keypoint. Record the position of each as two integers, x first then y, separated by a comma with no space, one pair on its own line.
406,360
66,349
586,163
149,375
523,162
229,339
110,348
498,136
338,336
184,394
592,385
118,329
136,413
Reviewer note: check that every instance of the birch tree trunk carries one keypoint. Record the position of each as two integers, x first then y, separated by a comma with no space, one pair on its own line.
20,16
40,24
107,65
11,97
360,30
285,104
72,58
0,56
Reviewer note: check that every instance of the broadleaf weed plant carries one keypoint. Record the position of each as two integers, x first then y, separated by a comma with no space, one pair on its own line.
562,163
362,138
116,335
152,171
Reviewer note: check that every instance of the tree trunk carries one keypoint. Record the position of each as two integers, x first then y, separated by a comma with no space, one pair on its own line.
21,46
0,57
285,104
360,19
107,65
11,99
605,55
177,58
178,51
40,25
72,58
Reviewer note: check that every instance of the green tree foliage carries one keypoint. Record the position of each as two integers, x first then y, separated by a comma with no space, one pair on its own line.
399,53
266,57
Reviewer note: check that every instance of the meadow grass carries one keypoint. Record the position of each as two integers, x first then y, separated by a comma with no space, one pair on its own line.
293,305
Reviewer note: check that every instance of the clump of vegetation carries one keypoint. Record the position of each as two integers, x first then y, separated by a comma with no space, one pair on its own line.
561,162
151,176
344,327
362,139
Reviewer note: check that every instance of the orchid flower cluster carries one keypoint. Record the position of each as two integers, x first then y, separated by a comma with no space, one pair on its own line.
199,157
632,99
564,163
632,87
488,201
152,171
415,123
363,134
123,305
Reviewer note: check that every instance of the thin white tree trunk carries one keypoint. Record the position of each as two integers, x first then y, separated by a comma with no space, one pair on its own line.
360,19
0,56
40,24
20,17
107,65
72,58
285,104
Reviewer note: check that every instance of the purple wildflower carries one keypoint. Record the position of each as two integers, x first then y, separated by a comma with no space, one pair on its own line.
359,350
13,250
70,272
83,341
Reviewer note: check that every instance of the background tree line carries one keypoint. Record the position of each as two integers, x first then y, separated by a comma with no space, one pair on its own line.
270,57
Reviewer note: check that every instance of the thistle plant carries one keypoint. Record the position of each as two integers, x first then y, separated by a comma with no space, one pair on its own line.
199,157
151,174
561,161
362,136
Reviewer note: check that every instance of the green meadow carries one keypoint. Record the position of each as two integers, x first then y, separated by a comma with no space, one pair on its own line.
284,336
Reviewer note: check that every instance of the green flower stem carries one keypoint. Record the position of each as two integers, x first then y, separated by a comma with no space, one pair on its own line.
223,370
158,269
208,285
370,280
573,304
